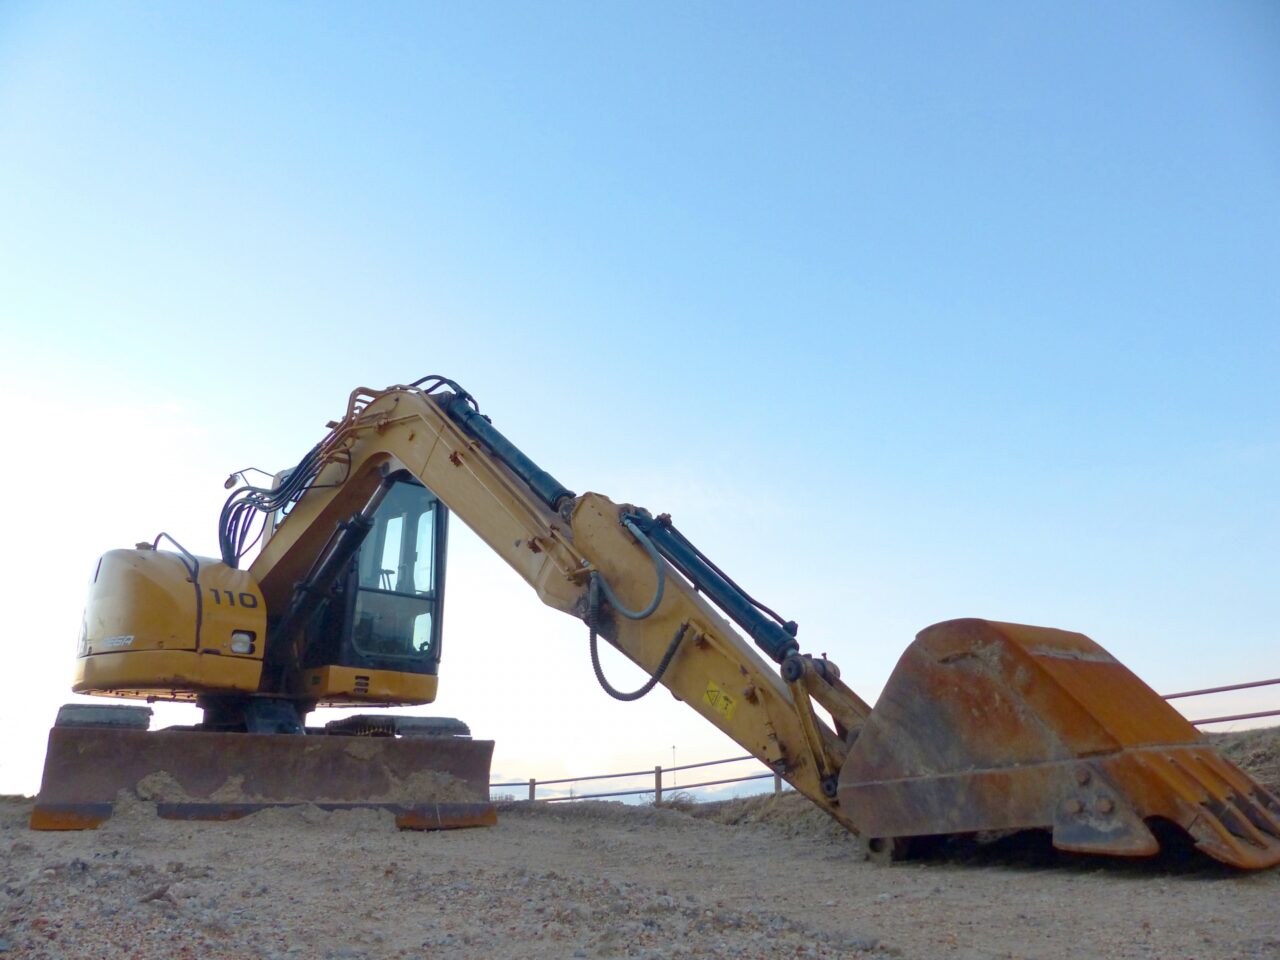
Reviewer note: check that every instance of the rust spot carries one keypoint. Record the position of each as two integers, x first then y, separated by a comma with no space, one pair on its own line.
72,818
455,459
749,694
533,546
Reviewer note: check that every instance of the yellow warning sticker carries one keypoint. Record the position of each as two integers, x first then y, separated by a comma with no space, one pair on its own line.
720,701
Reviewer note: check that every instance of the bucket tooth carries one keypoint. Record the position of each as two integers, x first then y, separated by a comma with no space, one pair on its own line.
427,783
988,726
1227,815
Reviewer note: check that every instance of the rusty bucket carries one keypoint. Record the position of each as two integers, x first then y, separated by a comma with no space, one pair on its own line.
989,726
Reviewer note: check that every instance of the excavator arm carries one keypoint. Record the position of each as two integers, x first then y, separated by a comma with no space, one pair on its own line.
576,552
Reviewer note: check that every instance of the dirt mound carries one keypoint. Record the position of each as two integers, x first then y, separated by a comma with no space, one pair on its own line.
605,811
277,820
1257,752
790,814
422,786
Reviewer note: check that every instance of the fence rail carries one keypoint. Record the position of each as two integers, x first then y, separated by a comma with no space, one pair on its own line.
657,772
1226,689
1230,686
657,789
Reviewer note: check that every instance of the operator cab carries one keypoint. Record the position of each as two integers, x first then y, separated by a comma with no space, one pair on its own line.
383,618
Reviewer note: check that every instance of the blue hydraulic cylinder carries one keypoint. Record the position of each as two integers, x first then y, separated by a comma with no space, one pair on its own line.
775,639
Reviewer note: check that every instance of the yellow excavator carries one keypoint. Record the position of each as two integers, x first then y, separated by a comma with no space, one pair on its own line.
983,726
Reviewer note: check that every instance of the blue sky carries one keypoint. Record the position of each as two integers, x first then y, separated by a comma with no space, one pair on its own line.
906,312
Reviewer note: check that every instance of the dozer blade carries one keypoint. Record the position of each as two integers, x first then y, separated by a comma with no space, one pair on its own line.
429,783
999,727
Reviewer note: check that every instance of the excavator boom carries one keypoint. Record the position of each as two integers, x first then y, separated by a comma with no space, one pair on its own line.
983,726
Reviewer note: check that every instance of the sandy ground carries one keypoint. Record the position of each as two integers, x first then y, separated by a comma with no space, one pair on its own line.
745,880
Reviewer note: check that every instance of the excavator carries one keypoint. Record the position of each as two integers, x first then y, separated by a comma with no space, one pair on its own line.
983,727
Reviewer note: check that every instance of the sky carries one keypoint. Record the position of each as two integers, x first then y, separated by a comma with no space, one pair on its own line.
905,312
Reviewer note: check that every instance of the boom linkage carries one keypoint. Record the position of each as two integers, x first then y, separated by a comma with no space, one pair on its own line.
557,541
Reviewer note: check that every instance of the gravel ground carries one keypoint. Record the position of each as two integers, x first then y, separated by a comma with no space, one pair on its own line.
590,880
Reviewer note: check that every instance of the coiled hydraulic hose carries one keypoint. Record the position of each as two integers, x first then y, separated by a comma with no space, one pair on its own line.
659,568
598,586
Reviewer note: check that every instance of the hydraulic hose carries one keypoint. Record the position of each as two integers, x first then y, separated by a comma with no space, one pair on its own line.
593,610
650,683
659,568
600,586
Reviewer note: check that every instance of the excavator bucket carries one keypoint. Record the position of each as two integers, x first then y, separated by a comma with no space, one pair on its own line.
427,782
999,727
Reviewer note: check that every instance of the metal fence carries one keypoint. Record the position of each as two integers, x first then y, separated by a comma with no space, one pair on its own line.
1229,687
658,772
657,788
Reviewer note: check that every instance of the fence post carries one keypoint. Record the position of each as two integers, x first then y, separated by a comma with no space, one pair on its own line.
657,786
777,784
533,788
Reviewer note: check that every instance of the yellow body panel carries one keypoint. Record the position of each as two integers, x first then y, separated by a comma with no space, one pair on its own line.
160,625
165,674
339,686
